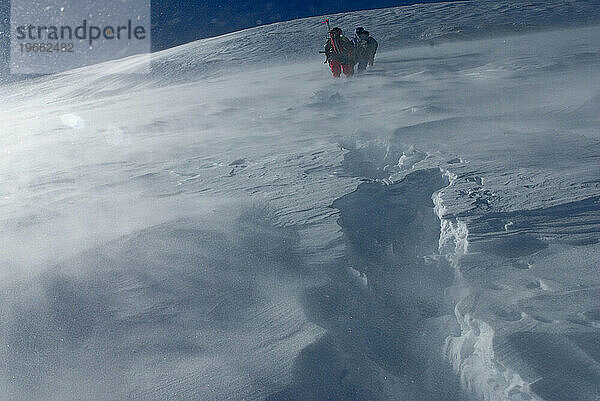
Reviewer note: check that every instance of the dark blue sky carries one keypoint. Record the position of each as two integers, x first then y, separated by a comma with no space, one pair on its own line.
179,21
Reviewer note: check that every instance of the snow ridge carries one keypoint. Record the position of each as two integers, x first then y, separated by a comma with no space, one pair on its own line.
471,354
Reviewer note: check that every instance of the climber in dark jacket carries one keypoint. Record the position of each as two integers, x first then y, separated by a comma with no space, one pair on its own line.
339,52
365,48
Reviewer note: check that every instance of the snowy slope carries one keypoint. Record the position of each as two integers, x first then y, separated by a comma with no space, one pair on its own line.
239,225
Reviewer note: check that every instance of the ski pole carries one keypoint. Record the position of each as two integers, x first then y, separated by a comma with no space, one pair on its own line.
326,58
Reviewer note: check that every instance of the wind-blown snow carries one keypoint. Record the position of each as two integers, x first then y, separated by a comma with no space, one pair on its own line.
239,225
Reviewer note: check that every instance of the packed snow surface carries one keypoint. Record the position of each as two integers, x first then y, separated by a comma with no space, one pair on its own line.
237,225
